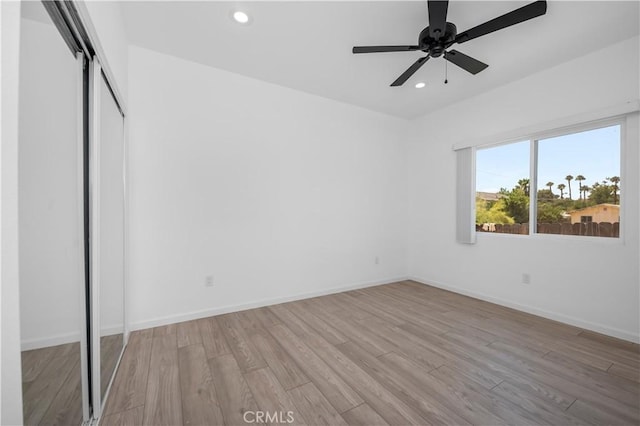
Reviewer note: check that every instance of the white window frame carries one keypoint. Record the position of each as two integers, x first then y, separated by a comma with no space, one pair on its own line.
533,139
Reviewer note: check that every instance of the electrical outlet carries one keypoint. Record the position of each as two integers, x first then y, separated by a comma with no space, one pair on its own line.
377,260
208,281
526,279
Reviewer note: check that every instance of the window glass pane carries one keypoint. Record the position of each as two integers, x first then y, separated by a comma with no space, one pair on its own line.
579,183
502,189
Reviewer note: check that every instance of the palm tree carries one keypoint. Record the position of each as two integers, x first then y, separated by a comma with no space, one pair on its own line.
550,185
569,178
524,185
615,180
580,178
585,189
561,187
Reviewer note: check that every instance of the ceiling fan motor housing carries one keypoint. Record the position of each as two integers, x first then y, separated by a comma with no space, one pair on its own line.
437,47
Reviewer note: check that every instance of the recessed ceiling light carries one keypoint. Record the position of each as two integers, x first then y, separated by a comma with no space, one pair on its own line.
240,17
420,85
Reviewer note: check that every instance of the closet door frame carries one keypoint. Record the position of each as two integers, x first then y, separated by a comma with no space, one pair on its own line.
95,74
96,77
84,325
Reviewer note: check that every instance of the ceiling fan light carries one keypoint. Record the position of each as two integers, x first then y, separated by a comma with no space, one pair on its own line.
240,17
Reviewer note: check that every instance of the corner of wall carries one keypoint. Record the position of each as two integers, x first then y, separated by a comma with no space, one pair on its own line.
10,374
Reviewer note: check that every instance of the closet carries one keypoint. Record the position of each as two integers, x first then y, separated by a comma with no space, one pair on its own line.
72,200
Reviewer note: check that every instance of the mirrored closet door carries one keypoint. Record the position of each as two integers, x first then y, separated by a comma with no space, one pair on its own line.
71,218
107,176
52,276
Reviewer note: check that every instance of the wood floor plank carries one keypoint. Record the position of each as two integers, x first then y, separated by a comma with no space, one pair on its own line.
352,298
625,372
66,406
496,405
34,361
213,340
110,349
618,356
188,333
497,366
314,407
390,407
609,341
130,384
406,387
246,354
282,365
546,411
272,398
249,321
266,317
131,417
598,415
397,311
336,303
324,329
164,330
163,403
352,330
233,392
555,364
418,353
200,404
363,415
444,395
403,353
39,394
565,380
339,393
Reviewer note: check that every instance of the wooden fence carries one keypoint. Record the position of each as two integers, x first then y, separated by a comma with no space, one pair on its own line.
591,229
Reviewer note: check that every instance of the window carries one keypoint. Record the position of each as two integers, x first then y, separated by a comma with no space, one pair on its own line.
572,186
502,188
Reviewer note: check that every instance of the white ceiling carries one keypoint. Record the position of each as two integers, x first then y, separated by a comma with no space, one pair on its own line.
307,45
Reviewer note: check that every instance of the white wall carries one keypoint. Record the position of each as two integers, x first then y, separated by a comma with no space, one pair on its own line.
10,368
274,192
593,284
51,244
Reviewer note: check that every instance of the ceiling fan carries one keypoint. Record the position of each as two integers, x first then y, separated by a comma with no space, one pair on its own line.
440,35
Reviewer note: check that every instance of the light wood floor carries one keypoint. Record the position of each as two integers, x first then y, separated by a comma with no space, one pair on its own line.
51,386
397,354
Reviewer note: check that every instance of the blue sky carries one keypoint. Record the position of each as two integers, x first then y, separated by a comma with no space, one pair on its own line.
595,154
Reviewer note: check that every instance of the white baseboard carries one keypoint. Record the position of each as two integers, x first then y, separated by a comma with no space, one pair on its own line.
62,339
171,319
45,342
587,325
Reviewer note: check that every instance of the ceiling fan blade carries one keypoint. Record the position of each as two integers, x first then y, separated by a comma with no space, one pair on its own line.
465,62
410,71
437,17
376,49
530,11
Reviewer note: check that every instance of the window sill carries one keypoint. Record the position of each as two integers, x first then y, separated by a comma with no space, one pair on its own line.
554,237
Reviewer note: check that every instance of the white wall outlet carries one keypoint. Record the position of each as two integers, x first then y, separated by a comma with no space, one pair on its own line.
377,260
526,278
208,281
